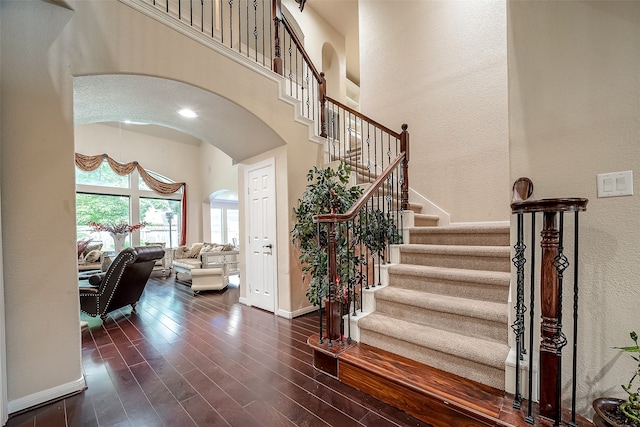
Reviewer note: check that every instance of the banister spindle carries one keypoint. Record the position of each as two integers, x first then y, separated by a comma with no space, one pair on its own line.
404,147
276,15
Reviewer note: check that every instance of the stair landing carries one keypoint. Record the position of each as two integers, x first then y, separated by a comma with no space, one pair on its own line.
436,397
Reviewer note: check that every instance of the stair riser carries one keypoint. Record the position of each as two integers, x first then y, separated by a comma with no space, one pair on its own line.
476,291
458,323
425,222
479,262
465,368
469,239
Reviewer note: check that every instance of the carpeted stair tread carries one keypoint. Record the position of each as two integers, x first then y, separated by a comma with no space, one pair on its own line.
463,250
491,311
470,229
488,258
476,350
480,235
479,285
497,278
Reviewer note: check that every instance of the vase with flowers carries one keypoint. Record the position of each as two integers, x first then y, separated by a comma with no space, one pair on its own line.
118,231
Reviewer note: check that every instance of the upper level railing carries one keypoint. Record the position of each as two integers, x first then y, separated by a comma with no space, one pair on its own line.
259,31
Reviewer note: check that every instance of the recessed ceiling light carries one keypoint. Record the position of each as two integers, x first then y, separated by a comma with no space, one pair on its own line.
186,112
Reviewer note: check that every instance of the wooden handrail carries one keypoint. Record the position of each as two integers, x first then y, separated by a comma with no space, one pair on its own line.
365,118
364,198
303,52
567,204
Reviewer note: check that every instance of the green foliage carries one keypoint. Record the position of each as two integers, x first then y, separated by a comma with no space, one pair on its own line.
631,408
327,193
377,229
101,208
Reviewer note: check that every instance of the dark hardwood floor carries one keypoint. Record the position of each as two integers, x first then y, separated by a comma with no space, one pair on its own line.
185,360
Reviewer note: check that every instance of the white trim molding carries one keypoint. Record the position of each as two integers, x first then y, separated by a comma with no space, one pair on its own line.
44,396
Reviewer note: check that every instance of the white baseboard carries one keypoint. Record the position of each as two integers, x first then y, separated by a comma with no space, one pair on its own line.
296,313
244,301
48,395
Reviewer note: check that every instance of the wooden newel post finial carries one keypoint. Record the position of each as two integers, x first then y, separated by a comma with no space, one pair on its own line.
322,94
404,147
332,306
276,15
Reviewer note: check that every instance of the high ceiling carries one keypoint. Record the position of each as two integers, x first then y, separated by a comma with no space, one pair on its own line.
153,102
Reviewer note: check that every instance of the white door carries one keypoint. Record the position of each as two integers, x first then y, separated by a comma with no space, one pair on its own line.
261,231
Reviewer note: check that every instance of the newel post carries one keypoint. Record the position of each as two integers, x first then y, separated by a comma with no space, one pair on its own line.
322,94
404,146
276,15
332,306
552,266
551,333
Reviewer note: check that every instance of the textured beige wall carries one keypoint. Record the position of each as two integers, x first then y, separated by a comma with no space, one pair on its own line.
441,67
574,113
39,62
38,204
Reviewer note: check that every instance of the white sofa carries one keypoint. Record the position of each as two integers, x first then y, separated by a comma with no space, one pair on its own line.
205,265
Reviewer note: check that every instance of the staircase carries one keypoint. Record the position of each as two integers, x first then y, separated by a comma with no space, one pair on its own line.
446,302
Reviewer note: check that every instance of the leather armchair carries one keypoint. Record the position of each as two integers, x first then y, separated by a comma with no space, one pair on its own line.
122,284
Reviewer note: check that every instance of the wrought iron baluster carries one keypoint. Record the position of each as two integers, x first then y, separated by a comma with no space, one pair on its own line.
560,263
230,23
532,297
575,320
518,324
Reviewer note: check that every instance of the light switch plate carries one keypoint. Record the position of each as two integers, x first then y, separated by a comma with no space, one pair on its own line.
615,184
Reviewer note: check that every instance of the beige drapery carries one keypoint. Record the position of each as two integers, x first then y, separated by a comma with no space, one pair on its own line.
91,163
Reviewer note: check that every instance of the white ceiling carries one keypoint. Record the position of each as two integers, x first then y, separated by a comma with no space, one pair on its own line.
155,101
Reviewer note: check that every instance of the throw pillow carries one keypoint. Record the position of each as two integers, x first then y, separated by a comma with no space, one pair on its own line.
182,252
92,256
194,252
207,247
92,247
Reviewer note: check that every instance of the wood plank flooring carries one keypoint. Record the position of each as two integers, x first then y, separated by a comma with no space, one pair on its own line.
185,360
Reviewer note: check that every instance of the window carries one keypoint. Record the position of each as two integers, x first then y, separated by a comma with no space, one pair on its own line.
106,197
100,208
224,222
161,216
104,176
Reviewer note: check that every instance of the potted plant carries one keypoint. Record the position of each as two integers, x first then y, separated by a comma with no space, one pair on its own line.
611,412
327,192
377,229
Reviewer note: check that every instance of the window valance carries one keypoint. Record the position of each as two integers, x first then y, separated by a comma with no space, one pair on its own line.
91,163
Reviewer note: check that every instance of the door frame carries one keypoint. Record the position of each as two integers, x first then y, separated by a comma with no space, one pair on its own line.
268,163
3,349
